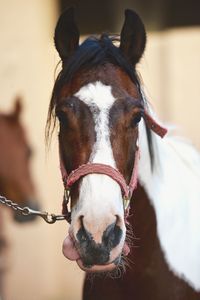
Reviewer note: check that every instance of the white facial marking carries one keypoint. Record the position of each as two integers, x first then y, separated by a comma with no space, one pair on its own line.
174,190
100,198
100,99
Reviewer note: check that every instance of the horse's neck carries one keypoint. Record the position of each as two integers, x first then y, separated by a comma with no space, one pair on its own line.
143,224
174,191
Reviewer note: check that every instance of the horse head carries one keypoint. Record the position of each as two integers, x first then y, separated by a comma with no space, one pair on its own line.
99,104
16,181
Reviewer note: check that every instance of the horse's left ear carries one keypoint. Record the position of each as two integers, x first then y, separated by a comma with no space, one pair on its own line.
133,37
66,34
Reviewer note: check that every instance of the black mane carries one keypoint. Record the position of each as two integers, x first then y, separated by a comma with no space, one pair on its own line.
92,53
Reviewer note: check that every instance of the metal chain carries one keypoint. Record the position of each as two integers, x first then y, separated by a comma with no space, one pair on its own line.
26,211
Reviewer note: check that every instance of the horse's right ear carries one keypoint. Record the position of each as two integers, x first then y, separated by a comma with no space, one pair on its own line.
66,34
17,109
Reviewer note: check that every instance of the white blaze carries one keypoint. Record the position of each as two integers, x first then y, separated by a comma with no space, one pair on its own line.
100,99
100,198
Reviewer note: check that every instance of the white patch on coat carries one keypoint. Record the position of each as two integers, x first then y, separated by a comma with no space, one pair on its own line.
174,189
100,198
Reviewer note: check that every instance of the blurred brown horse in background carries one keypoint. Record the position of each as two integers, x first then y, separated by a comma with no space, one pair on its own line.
16,182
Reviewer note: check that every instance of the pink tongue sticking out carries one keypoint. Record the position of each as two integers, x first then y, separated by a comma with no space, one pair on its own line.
69,249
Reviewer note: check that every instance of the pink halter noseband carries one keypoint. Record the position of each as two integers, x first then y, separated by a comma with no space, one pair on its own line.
98,168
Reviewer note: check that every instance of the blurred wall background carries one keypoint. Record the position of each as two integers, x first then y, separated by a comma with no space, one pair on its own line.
170,70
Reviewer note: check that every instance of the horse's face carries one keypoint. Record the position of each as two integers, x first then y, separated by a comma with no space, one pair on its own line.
98,110
15,178
98,124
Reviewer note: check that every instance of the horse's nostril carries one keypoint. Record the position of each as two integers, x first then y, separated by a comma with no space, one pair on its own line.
112,236
83,234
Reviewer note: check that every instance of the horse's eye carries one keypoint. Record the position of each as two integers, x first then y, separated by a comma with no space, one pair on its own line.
136,119
29,152
61,115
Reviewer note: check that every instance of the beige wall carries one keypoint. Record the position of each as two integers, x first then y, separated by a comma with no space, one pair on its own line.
170,69
37,268
171,73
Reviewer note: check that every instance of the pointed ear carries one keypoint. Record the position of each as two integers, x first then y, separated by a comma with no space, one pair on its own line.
66,34
17,109
133,37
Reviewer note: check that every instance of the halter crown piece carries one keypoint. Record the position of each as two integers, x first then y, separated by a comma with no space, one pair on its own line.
98,168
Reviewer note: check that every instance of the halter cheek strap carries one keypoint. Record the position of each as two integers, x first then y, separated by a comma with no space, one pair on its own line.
97,168
154,126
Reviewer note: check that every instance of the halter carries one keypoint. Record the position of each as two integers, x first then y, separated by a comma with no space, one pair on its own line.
98,168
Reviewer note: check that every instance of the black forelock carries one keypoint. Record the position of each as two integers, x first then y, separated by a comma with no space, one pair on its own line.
91,53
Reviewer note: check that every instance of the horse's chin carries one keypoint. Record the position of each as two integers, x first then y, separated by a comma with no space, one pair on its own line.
71,252
96,268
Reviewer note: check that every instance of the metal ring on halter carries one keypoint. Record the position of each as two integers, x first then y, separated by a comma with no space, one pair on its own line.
66,200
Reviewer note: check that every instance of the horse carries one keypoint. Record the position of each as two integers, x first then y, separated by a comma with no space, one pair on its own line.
134,195
16,183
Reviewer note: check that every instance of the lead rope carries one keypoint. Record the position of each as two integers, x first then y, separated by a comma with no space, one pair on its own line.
27,211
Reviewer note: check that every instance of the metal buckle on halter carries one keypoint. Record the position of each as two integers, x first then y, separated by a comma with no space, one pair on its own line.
67,196
126,202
